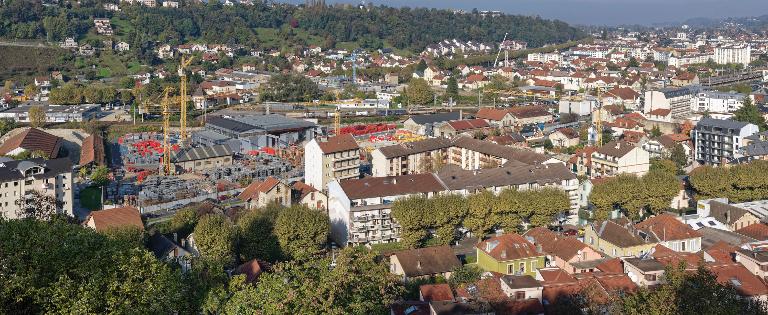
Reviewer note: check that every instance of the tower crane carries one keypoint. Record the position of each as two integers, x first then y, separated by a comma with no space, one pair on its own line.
598,121
183,96
501,45
166,103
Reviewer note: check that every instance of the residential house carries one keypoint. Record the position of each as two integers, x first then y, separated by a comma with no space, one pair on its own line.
461,127
580,162
620,157
564,137
114,218
410,157
92,151
509,254
168,250
360,209
562,252
308,196
425,262
32,140
616,238
435,292
261,193
521,287
425,124
644,271
667,230
328,159
733,217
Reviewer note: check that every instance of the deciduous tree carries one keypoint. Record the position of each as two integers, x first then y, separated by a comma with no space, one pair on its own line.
302,232
215,237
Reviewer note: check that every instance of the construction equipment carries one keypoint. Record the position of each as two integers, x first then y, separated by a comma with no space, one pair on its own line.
337,121
501,45
183,96
166,165
598,121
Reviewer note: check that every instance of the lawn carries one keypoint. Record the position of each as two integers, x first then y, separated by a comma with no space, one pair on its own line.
90,198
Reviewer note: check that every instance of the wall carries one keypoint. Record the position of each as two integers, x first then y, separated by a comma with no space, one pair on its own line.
488,263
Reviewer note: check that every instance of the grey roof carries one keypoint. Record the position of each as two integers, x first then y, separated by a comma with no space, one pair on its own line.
645,265
710,236
521,282
509,153
161,246
408,148
435,118
757,148
456,178
721,123
13,170
680,91
268,123
204,152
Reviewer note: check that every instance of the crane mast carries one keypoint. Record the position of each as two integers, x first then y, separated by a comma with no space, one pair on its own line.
166,103
501,45
183,97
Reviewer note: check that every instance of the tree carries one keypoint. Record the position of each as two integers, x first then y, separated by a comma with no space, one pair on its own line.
290,88
6,125
419,93
548,144
480,217
257,236
683,292
357,283
215,237
100,176
183,221
30,90
464,274
302,232
678,156
59,267
36,205
655,131
739,183
8,86
452,90
749,113
37,116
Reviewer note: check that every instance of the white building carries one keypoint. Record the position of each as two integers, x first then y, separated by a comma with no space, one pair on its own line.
718,141
545,57
677,100
49,177
733,54
581,107
715,102
334,158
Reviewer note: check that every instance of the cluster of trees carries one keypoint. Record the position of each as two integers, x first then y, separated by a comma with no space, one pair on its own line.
480,213
371,27
749,113
71,93
739,183
290,88
636,196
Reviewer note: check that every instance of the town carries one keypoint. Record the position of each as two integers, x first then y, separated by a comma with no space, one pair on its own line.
156,159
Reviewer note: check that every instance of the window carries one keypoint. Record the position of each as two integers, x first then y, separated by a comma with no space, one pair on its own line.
614,252
520,295
510,269
533,265
650,277
591,240
522,268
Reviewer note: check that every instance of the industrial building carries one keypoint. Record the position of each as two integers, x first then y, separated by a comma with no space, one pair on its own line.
53,113
250,132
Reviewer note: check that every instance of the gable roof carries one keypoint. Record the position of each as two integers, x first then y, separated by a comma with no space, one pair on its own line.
303,189
338,143
436,292
252,269
617,148
435,118
115,218
427,261
203,153
758,231
33,139
455,178
92,150
257,187
508,247
370,187
491,113
665,227
725,213
468,124
617,234
736,275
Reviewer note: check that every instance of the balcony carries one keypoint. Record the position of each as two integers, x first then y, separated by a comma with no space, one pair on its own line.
345,158
345,167
359,240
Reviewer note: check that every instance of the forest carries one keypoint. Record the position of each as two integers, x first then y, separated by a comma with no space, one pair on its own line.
367,27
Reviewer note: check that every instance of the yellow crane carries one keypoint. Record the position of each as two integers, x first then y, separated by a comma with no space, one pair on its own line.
183,96
598,121
337,121
166,165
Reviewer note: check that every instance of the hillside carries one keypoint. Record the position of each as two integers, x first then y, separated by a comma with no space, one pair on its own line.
22,61
370,27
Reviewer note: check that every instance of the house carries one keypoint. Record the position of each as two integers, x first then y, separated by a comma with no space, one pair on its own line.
458,127
114,218
564,137
436,292
620,157
521,288
509,254
360,209
615,238
328,159
308,196
758,231
644,271
425,262
92,151
516,116
409,157
580,162
202,158
734,217
622,96
747,284
48,177
168,250
251,269
32,140
495,116
261,193
667,230
425,124
563,252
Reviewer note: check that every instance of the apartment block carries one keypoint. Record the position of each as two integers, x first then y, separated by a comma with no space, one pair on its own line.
328,159
50,177
677,100
740,54
718,141
620,157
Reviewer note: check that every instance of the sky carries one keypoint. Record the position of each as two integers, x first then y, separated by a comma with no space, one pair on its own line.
599,12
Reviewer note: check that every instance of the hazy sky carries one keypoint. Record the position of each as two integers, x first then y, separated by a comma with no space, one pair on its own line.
599,12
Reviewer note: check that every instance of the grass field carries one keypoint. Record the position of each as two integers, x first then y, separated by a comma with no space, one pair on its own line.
26,62
90,198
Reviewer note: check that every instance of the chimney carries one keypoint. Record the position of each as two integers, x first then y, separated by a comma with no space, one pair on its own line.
504,254
461,114
618,145
418,264
538,248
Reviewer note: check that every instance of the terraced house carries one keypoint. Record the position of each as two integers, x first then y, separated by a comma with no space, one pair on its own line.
620,238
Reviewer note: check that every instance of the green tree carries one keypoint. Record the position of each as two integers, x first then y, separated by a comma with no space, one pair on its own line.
414,214
215,237
677,155
6,125
452,90
356,283
58,267
302,232
100,176
183,221
464,274
481,216
290,88
37,117
655,131
257,236
749,113
30,90
419,92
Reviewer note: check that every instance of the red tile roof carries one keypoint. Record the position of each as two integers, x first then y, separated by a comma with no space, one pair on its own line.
667,228
508,247
115,218
469,124
257,187
33,139
339,143
614,265
251,269
758,231
555,276
722,252
491,113
303,189
92,150
746,283
436,292
664,112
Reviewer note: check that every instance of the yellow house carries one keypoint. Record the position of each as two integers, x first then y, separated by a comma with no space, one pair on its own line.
509,254
614,238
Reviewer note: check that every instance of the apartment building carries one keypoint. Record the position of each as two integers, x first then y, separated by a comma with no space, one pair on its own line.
545,57
468,153
740,54
676,99
718,141
360,209
50,177
714,102
328,159
620,157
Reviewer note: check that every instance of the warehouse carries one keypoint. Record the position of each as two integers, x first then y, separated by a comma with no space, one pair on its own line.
256,130
204,157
